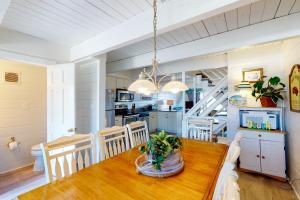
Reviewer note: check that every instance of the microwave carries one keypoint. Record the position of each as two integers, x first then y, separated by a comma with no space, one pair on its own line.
123,95
259,118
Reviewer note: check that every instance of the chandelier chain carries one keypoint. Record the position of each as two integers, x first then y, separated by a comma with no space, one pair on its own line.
154,29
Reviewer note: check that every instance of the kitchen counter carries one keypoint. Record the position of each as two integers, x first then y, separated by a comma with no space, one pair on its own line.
169,121
167,111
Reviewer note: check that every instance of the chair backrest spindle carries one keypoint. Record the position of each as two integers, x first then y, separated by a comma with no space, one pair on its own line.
138,133
63,156
113,141
200,129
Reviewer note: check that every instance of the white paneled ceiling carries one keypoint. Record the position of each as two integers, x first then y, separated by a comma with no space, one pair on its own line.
70,22
254,13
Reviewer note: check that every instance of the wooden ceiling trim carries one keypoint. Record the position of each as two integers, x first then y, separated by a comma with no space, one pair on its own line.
296,7
244,16
201,29
257,10
285,7
55,15
231,19
210,26
270,9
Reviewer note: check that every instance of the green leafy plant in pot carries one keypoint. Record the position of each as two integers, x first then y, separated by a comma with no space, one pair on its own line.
159,147
268,93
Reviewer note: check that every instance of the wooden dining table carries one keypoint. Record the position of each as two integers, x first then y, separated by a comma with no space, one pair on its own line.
116,178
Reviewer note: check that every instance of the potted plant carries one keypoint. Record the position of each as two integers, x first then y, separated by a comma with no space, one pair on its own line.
162,150
270,93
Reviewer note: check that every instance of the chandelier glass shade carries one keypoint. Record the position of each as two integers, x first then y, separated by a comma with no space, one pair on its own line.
149,83
174,86
143,86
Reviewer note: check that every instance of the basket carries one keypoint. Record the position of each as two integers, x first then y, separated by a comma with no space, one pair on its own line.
172,165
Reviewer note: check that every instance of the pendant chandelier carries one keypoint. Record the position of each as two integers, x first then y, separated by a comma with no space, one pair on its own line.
148,82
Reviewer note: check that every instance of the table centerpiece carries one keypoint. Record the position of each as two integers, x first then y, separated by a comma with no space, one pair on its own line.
161,156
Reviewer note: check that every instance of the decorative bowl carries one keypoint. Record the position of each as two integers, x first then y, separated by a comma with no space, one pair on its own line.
172,165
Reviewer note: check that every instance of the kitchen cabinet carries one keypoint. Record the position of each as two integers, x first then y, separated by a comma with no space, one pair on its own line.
152,122
111,83
250,154
168,121
123,83
117,82
263,152
272,158
118,120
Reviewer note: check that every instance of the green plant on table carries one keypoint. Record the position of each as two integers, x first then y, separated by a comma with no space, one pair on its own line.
159,147
272,90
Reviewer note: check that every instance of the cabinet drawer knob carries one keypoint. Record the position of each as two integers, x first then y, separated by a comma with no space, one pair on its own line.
257,156
263,157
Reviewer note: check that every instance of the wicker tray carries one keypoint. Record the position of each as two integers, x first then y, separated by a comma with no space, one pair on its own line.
171,166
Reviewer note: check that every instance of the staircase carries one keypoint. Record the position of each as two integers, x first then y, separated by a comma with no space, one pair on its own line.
213,105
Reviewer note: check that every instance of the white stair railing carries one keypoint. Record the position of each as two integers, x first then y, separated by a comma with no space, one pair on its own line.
222,84
210,108
214,97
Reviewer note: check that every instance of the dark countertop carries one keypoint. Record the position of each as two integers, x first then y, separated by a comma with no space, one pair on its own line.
166,111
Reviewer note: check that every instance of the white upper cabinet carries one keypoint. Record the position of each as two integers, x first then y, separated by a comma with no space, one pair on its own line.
117,82
111,83
123,83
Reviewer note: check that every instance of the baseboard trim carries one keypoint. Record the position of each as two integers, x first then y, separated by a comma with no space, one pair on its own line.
271,176
297,194
15,169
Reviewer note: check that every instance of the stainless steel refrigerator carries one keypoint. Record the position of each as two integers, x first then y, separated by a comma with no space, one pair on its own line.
110,107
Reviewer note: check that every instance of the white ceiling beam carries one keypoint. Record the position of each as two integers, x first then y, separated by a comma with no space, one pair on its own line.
4,4
15,46
171,15
6,55
277,29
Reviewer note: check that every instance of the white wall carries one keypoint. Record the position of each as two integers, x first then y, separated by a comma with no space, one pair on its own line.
291,56
22,113
276,59
267,56
90,95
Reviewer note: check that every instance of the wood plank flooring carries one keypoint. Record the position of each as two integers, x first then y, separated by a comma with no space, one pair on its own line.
253,187
17,178
257,187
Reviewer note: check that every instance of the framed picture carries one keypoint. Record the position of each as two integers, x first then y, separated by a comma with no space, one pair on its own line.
253,75
294,84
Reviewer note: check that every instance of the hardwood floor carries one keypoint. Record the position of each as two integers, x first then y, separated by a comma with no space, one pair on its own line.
17,178
252,187
256,187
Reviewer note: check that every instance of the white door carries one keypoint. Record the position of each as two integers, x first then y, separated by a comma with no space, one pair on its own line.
61,101
273,158
250,154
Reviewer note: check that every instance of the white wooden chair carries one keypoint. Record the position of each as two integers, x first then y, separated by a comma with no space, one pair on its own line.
227,187
200,129
113,141
233,152
138,133
67,155
237,138
225,140
231,189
